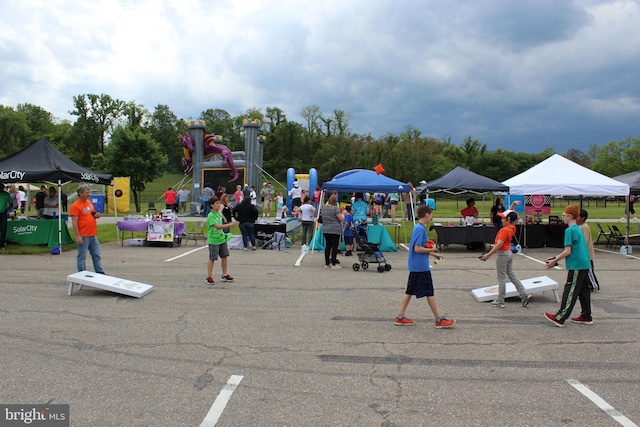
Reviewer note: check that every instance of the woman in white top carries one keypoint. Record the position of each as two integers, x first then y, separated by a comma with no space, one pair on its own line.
308,216
51,205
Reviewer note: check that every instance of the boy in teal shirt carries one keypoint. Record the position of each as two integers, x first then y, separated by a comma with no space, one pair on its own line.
578,263
217,240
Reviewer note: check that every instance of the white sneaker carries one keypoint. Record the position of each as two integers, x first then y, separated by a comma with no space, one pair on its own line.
336,267
623,219
634,219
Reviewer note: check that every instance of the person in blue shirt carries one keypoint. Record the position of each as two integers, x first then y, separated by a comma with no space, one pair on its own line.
578,264
359,208
347,233
420,282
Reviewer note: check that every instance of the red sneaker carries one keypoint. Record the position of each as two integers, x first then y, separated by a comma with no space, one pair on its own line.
445,324
209,281
582,320
403,322
552,318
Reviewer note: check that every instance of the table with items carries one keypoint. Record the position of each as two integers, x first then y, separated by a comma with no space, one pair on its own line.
528,236
155,231
463,235
291,227
37,232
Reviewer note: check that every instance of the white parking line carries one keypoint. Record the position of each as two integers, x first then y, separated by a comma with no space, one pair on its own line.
601,403
221,401
186,253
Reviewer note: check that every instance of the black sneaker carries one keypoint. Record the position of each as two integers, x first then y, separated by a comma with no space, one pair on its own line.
227,278
209,281
526,299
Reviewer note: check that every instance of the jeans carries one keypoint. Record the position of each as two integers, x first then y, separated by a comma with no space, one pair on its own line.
246,228
307,230
92,245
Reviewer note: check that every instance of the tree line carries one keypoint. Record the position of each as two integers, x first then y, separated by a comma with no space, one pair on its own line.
127,139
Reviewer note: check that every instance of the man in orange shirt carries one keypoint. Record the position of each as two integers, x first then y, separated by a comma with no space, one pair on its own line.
83,217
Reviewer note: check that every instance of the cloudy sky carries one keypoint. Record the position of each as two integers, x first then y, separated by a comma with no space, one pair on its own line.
523,75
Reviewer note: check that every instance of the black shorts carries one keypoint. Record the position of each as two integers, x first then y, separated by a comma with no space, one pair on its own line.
348,240
420,284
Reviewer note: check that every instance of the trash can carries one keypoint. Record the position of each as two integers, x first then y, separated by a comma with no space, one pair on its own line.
98,203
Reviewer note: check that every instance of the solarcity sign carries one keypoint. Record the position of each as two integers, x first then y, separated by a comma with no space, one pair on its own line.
11,175
21,230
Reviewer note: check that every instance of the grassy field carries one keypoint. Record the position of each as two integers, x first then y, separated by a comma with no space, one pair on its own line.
448,209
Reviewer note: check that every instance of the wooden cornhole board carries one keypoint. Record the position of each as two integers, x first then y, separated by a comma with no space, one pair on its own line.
533,285
108,283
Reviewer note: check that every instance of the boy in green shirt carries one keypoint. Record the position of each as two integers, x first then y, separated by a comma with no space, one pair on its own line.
578,264
217,240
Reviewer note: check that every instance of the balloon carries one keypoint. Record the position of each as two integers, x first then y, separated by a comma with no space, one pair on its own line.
379,169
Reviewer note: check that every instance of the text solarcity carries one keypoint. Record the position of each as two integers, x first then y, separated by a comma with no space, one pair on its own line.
11,175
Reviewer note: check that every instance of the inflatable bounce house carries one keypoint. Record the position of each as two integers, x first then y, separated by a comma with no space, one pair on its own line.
215,164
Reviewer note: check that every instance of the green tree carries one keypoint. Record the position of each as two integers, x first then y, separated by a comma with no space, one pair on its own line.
164,128
40,121
135,154
14,131
97,115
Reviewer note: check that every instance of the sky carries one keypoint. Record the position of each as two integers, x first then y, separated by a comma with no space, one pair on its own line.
521,75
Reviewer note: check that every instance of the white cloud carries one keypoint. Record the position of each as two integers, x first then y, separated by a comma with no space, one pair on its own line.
495,69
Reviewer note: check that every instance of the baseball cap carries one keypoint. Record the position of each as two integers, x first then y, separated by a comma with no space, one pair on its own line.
511,214
264,183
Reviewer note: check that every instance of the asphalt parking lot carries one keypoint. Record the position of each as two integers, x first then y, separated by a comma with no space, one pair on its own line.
313,347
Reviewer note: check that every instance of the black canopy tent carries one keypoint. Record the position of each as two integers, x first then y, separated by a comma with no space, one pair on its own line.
42,162
460,180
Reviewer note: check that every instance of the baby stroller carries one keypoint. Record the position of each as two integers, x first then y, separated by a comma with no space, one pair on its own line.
368,252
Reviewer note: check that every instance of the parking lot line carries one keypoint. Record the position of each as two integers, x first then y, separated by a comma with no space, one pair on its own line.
221,401
601,403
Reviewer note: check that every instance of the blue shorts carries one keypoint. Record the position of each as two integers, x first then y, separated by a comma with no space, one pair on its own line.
420,284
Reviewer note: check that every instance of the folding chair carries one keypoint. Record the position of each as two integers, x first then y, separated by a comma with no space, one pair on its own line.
196,232
152,207
617,239
278,240
603,234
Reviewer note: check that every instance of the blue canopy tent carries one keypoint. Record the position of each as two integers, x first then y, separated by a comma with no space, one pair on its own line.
363,181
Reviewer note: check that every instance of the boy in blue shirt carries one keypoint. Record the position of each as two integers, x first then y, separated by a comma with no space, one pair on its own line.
217,240
347,232
578,264
420,282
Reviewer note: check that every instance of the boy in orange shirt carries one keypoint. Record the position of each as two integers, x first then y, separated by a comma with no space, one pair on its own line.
504,260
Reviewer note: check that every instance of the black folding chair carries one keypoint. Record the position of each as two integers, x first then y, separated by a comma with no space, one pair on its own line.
617,239
603,234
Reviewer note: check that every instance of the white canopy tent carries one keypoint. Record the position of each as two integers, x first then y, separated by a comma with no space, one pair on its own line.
560,176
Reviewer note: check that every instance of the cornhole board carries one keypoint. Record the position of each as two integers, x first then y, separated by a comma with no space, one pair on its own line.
533,285
108,283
